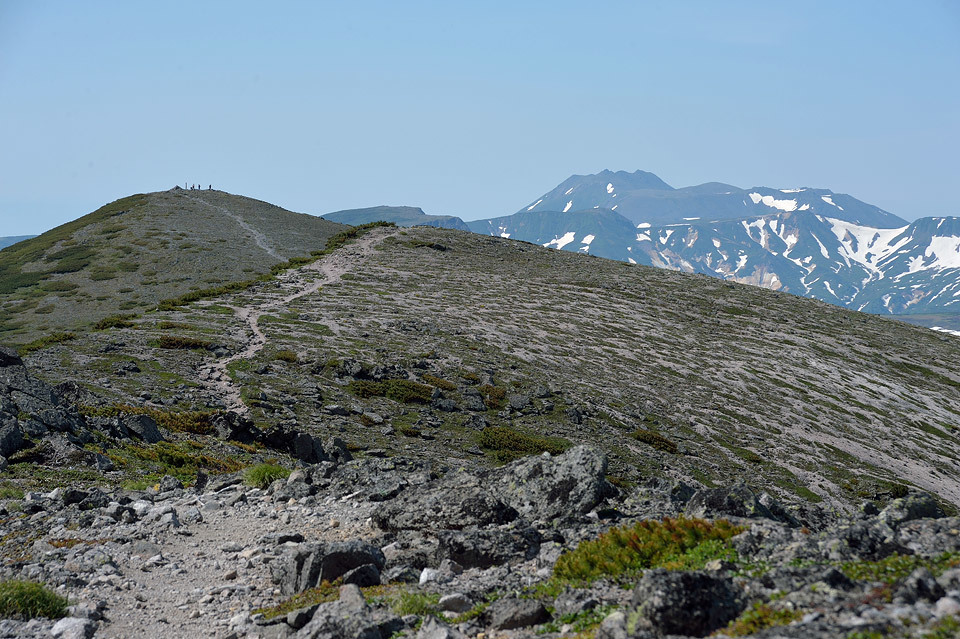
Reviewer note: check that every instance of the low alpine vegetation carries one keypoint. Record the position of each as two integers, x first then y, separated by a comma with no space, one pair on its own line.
672,543
262,475
28,599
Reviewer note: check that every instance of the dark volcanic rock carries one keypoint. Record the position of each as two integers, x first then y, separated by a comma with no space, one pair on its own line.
143,427
452,503
485,548
510,613
351,616
307,565
687,603
548,489
734,501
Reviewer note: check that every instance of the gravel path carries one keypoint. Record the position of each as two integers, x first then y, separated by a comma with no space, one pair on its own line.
293,285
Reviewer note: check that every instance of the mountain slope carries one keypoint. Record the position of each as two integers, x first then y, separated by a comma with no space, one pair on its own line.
132,253
399,215
672,374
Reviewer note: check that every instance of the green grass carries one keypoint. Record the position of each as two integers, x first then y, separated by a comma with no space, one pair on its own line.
115,321
399,390
506,444
758,617
674,544
196,422
894,568
262,475
179,342
44,342
28,599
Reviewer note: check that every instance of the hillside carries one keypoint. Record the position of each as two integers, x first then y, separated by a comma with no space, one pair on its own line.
399,215
672,374
130,254
431,433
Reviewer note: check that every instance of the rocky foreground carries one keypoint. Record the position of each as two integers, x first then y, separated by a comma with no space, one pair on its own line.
379,547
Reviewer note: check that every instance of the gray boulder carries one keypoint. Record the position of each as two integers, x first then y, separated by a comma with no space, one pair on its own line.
433,628
142,427
510,613
687,603
485,548
546,489
733,501
916,505
307,565
452,503
352,617
11,438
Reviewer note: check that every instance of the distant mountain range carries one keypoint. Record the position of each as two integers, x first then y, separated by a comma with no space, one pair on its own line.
13,239
805,241
399,215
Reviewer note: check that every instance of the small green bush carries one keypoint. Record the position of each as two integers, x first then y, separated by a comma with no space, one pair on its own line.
674,544
115,321
399,390
262,475
655,439
493,396
287,356
43,342
506,444
758,617
178,342
411,602
28,599
439,382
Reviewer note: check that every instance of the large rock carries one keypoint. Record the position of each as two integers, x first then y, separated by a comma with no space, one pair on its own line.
307,565
916,505
433,628
485,548
687,603
351,617
453,503
142,427
510,613
733,501
11,438
547,489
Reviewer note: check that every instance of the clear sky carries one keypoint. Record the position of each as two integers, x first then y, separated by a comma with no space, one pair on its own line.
472,109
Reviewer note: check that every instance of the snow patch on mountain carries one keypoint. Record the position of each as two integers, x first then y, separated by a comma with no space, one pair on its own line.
568,206
560,242
530,208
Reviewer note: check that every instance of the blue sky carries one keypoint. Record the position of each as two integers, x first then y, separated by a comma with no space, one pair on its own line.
472,109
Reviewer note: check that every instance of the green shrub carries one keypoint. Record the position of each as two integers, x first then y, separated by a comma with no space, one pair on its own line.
411,602
674,544
758,617
655,439
439,382
43,342
178,342
28,599
493,396
287,356
262,475
399,390
115,321
506,444
896,567
196,422
408,392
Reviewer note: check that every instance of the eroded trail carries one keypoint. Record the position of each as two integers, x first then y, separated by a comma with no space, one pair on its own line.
294,285
259,238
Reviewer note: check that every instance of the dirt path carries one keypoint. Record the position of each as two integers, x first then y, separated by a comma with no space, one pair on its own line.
258,237
330,268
